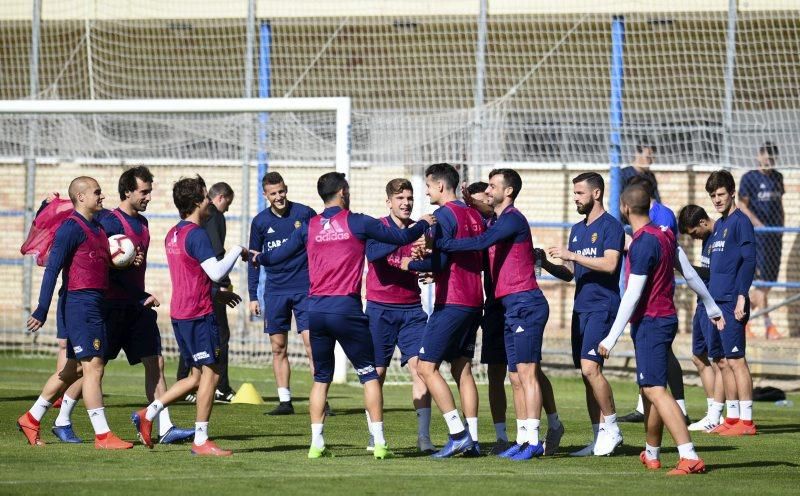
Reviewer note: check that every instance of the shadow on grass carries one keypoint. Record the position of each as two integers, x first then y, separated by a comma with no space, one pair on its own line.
778,429
248,437
360,411
21,398
628,450
755,463
271,449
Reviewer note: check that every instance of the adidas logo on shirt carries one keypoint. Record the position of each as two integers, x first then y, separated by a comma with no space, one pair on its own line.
270,230
331,231
519,329
575,239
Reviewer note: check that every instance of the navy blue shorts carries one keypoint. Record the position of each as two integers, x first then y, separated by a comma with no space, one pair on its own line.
84,317
198,340
352,333
450,333
768,256
733,338
493,344
706,338
652,342
526,316
61,325
278,314
588,329
390,327
132,328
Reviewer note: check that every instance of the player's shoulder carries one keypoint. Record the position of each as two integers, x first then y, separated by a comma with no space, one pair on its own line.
303,210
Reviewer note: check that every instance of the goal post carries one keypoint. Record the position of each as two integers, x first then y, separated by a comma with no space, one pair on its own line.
34,116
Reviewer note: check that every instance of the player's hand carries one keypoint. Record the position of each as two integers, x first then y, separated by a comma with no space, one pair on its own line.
739,311
404,263
139,258
151,302
560,252
53,195
719,323
255,308
254,257
465,196
245,254
603,351
539,254
228,298
34,324
425,277
430,219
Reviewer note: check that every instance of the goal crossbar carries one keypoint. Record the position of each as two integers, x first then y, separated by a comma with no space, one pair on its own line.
340,105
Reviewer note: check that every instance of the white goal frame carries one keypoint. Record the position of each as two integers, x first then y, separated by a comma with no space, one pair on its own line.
340,105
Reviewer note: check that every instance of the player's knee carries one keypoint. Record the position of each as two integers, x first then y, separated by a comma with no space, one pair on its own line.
590,370
513,378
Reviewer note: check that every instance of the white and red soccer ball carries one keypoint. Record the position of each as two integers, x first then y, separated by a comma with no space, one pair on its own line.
122,250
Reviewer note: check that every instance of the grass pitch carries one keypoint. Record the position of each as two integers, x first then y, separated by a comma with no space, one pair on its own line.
270,452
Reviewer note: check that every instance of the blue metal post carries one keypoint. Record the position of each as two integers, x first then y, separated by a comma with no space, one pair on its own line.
615,113
264,74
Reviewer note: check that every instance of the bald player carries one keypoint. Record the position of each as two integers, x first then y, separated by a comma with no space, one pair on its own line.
81,250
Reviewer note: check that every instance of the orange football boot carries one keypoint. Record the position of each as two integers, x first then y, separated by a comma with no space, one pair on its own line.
111,442
688,467
208,448
772,332
30,427
649,464
740,429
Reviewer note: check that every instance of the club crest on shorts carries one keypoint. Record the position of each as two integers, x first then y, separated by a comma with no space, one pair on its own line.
96,344
594,237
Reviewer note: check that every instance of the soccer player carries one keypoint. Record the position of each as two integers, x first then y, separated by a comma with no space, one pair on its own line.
193,265
453,324
286,285
706,342
335,244
642,160
732,264
221,197
394,306
648,304
80,249
761,199
511,263
663,216
493,348
594,259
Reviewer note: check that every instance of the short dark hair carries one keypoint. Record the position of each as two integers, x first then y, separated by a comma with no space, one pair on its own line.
187,192
769,148
642,144
444,172
398,185
645,182
127,181
510,179
690,216
720,179
329,184
477,187
637,199
271,178
593,179
220,189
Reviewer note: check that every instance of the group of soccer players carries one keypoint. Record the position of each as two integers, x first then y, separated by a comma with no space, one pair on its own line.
474,241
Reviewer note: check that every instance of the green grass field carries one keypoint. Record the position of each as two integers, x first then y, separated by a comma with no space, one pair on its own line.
270,452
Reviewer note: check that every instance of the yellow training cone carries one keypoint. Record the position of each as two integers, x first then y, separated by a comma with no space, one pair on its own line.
248,395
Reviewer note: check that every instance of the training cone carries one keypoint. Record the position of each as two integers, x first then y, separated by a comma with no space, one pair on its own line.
247,395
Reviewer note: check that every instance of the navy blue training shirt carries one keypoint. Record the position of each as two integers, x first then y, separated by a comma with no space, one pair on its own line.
764,193
269,231
733,257
594,290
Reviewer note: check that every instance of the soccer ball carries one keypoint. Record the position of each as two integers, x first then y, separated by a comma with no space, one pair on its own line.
122,250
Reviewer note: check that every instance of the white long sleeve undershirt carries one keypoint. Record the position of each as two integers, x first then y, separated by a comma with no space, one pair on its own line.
218,269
